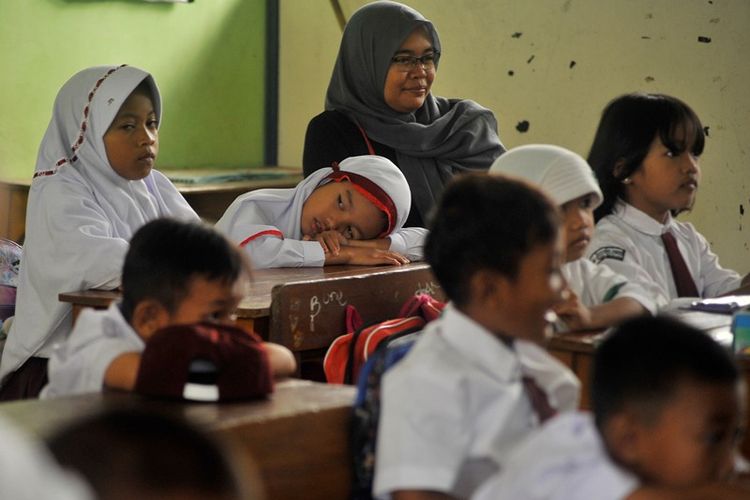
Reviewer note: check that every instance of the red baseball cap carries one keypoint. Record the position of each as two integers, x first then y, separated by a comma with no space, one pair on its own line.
204,362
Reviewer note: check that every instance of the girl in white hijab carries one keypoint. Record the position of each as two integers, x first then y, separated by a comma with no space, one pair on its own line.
92,189
352,213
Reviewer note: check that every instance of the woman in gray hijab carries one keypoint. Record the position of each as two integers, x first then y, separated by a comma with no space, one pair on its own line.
379,102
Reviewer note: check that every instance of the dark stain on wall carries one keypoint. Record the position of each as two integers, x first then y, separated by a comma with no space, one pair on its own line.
742,209
649,79
511,72
517,34
705,130
704,39
528,61
522,126
572,63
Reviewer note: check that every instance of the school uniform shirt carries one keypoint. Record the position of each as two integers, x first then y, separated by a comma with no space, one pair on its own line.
453,408
597,284
78,365
266,222
564,460
28,471
80,213
629,242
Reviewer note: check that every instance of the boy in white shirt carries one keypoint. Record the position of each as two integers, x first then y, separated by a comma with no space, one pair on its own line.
596,296
667,429
464,395
175,273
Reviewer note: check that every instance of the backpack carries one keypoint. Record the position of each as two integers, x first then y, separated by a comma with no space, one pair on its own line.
366,414
348,353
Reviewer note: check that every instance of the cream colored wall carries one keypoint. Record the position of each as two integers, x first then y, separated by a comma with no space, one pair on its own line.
618,46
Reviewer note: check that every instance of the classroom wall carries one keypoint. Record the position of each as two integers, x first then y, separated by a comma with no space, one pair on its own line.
208,58
568,58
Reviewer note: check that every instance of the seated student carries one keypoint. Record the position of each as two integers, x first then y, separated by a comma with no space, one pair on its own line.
129,454
596,296
94,186
666,423
175,273
29,472
475,381
645,155
327,218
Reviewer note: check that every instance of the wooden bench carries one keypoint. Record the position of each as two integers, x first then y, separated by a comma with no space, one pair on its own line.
297,440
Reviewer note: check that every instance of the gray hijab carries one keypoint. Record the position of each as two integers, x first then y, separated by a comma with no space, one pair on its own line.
441,138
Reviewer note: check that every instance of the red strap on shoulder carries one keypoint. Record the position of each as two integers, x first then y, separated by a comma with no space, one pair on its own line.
370,149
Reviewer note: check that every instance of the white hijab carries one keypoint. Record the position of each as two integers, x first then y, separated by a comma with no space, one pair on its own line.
81,213
278,211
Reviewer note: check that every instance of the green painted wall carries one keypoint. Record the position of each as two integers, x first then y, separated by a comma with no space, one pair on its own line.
208,58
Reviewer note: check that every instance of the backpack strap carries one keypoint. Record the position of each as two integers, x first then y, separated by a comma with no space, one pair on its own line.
348,372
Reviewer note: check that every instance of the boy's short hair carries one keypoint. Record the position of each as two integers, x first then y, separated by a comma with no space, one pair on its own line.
165,254
486,222
643,361
141,451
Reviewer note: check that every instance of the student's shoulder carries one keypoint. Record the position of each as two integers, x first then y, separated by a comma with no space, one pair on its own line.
65,183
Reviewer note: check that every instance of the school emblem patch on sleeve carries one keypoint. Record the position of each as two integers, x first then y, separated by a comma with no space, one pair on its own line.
615,253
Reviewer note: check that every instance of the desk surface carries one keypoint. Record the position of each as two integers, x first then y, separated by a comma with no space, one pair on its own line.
257,301
297,439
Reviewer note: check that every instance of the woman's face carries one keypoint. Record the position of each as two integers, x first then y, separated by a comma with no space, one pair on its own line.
407,85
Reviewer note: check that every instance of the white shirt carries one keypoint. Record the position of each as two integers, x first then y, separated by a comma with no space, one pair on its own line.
564,460
78,365
29,472
629,242
455,405
596,284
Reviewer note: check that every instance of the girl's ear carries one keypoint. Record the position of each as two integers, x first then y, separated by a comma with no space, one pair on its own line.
619,172
149,316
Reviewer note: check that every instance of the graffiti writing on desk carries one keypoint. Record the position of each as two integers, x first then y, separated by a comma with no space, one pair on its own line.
316,304
429,287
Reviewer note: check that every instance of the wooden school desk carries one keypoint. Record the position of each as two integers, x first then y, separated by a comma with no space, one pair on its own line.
298,439
203,189
304,308
576,350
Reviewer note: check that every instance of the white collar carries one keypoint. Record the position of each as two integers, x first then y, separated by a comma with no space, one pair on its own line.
640,220
474,342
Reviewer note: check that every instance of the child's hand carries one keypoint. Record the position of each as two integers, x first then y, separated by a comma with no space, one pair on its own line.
572,311
366,256
331,241
382,243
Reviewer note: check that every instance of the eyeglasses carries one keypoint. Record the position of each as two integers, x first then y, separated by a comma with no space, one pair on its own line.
408,63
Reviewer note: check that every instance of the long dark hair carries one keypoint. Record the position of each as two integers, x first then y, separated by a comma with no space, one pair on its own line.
626,130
